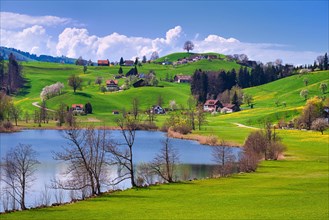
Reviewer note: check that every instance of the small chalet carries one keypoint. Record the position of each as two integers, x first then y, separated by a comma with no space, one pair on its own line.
78,108
129,62
212,57
103,62
157,109
115,112
139,83
112,85
182,78
229,108
211,105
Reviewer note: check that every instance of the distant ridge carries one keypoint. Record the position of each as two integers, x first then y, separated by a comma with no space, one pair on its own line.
26,56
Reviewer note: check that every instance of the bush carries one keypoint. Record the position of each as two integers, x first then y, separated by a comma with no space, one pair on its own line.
182,128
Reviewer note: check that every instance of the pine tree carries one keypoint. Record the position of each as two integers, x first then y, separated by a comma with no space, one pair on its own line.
235,101
120,70
325,62
121,61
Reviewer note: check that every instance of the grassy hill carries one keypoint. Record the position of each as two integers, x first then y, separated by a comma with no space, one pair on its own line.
175,56
295,187
40,74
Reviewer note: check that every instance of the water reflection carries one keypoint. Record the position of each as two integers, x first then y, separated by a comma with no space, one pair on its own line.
195,159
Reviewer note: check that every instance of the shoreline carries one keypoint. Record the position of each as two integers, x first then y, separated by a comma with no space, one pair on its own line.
201,139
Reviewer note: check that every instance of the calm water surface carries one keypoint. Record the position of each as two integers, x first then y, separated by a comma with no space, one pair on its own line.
195,158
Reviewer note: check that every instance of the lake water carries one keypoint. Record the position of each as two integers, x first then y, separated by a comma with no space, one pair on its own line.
195,159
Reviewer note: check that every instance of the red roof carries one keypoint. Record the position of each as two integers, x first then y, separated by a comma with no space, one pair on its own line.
103,62
111,81
211,102
77,105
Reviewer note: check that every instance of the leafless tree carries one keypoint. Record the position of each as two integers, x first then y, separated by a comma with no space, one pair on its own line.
17,172
15,112
224,157
165,162
122,153
135,107
154,55
320,124
61,114
87,159
248,161
200,116
191,104
146,173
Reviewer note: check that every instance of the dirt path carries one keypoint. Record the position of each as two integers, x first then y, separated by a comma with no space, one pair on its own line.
244,126
38,106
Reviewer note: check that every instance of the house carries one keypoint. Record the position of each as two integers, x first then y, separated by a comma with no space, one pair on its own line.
129,62
157,109
132,72
229,108
115,112
78,108
211,105
212,57
112,85
182,78
139,83
103,62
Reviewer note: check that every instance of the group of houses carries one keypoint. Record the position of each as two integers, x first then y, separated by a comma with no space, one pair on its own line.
194,58
108,63
212,105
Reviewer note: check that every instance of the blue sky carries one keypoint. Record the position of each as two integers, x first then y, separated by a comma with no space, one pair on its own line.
295,31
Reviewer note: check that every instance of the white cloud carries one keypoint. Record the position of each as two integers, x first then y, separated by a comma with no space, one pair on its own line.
32,39
76,42
11,20
263,52
32,34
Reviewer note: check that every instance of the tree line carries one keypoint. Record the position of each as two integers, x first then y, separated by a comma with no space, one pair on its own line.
210,84
11,76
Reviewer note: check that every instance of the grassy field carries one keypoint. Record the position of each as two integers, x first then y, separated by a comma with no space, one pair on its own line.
41,74
293,188
296,187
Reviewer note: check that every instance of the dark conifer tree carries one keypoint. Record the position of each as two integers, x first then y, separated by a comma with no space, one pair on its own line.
120,70
121,63
325,62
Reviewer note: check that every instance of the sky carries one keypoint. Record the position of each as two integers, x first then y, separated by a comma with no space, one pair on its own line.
294,31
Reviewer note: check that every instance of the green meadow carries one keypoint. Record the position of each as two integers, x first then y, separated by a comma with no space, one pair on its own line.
296,187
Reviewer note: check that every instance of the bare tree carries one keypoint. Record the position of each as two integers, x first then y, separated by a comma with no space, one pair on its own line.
165,162
15,112
320,124
188,45
75,82
200,116
224,157
17,172
85,154
135,107
154,55
122,153
191,104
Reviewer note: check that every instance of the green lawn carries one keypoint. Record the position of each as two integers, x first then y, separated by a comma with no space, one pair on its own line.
293,188
296,187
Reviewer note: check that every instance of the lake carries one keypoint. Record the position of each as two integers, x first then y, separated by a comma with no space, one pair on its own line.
195,159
